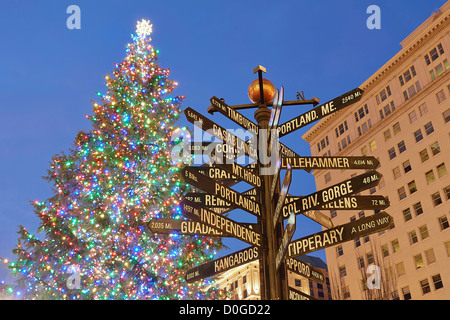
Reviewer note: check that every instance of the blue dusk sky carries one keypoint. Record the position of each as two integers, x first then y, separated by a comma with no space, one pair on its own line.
49,74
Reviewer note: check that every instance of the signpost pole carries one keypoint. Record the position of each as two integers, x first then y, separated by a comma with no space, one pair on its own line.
267,268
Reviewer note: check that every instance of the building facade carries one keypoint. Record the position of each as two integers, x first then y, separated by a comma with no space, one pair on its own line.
243,282
403,119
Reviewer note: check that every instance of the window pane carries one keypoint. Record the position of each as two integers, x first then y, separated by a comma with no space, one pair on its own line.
435,149
392,153
412,116
446,115
387,133
423,232
413,237
418,208
406,166
412,187
430,176
425,286
442,170
418,261
429,128
418,135
424,155
436,197
437,281
401,193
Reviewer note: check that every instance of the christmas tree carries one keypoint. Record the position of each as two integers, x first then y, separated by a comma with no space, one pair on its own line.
118,176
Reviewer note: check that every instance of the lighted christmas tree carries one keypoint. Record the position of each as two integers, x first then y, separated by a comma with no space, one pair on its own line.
118,176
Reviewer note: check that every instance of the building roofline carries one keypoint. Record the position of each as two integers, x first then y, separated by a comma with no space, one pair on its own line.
438,20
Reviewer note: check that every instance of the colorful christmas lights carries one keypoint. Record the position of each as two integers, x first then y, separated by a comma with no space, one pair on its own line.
119,175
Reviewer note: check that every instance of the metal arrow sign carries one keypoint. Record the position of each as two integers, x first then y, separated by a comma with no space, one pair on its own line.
320,112
223,264
339,234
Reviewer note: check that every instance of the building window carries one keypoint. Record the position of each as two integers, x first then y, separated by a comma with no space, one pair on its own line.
327,177
418,261
436,198
323,144
434,54
447,192
361,112
429,128
385,250
437,281
383,95
406,293
298,282
429,175
412,237
396,128
442,170
373,145
401,146
360,262
424,155
443,222
447,247
344,143
387,135
333,213
412,116
364,151
418,208
392,153
357,242
341,129
439,69
342,271
423,109
364,127
411,91
435,149
401,193
429,254
395,245
407,214
423,232
418,135
441,96
446,115
369,257
425,286
387,109
412,187
407,75
407,166
339,251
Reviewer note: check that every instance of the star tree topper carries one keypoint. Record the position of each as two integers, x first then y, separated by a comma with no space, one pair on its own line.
144,28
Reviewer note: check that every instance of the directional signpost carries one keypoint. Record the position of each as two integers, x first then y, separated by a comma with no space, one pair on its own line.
339,234
269,202
320,112
221,191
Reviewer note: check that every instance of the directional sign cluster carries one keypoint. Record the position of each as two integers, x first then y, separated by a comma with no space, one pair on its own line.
204,209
